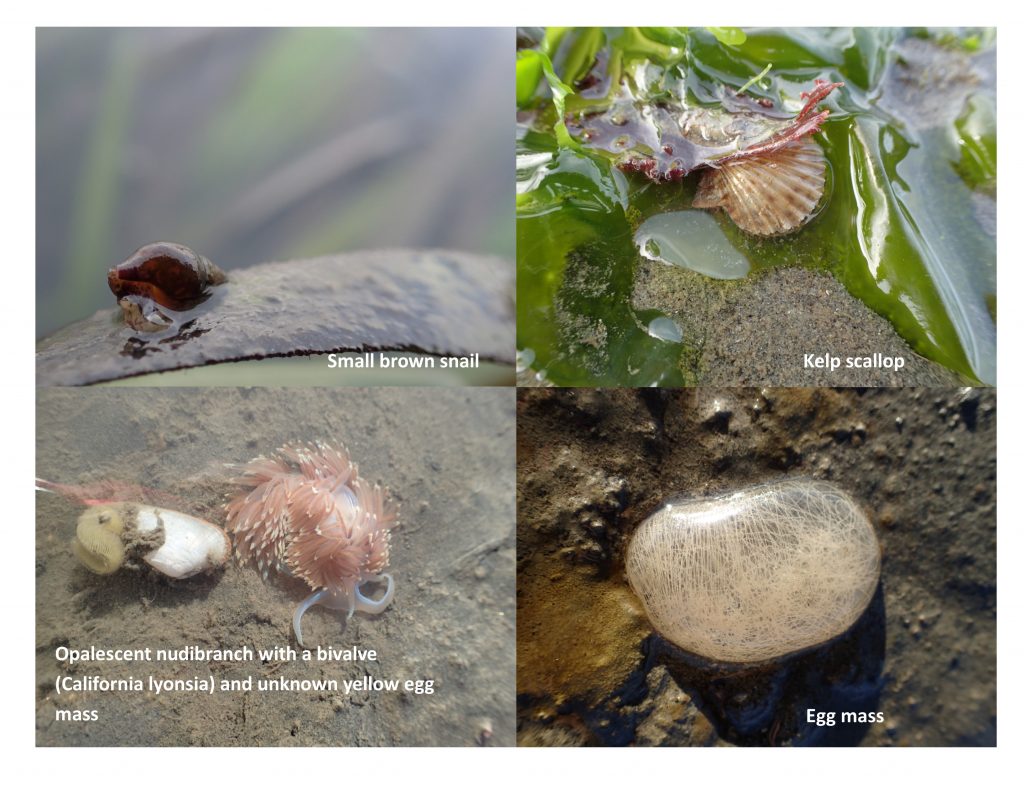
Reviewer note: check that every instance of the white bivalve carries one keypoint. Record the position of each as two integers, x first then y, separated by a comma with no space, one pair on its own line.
116,535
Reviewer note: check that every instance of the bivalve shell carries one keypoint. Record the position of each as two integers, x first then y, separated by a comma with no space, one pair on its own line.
190,546
115,535
767,194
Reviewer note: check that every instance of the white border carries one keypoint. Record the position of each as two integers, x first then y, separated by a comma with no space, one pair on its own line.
476,768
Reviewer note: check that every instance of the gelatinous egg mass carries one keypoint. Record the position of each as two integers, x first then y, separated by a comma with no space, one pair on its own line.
692,240
756,574
664,329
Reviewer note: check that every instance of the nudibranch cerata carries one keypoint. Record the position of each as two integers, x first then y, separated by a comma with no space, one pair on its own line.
306,511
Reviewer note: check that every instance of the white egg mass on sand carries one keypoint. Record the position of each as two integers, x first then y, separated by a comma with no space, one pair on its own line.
691,240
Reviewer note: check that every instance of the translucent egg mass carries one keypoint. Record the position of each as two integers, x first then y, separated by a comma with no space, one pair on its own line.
756,574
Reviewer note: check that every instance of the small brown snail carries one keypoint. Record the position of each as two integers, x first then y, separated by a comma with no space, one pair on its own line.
162,273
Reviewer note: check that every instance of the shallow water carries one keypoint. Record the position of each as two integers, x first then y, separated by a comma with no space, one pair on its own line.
692,240
593,464
908,226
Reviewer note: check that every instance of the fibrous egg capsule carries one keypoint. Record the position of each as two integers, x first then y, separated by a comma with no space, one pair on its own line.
757,574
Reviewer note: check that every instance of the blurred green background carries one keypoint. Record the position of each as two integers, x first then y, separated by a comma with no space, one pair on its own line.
254,145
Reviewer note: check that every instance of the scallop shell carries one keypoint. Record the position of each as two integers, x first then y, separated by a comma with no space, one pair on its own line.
767,194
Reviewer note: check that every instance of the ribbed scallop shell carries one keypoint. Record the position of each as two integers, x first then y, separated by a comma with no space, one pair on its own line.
767,194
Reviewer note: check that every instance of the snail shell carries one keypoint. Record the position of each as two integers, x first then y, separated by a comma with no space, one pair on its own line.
113,535
169,274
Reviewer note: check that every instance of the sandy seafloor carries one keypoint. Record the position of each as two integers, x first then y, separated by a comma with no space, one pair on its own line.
447,455
593,464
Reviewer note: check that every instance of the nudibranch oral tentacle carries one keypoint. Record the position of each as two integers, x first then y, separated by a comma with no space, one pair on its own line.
374,606
339,600
309,601
305,511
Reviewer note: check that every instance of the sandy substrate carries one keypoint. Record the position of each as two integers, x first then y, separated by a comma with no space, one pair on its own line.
592,465
448,457
758,330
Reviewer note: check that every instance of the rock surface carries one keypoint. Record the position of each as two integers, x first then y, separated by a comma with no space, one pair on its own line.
592,465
